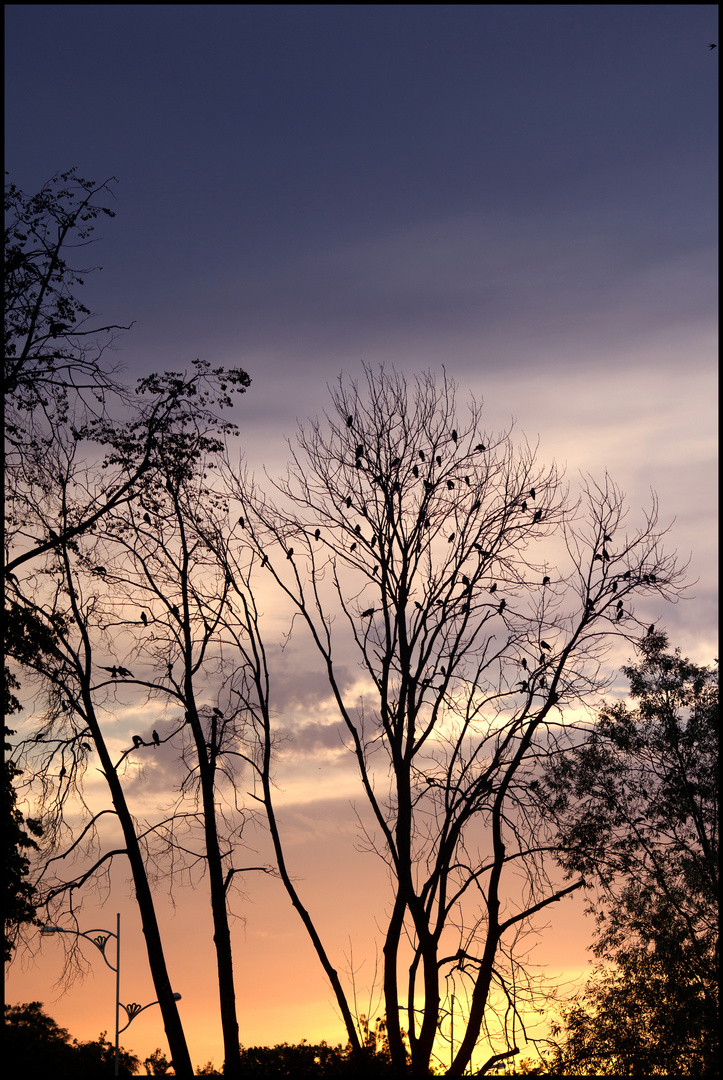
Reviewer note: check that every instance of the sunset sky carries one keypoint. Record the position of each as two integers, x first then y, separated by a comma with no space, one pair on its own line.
524,194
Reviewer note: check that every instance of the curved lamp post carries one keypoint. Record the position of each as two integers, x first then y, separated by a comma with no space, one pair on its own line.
100,939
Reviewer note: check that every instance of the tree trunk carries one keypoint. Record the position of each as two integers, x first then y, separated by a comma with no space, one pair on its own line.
154,947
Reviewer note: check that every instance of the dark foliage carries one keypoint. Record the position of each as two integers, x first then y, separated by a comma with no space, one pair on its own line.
638,810
45,1049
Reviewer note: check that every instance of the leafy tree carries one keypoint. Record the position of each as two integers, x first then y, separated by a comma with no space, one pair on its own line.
45,1049
429,546
637,807
157,1064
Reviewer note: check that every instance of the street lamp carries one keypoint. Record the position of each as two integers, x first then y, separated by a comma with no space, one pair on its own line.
100,939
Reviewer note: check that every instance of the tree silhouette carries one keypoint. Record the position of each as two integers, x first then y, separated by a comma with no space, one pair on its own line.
392,552
637,808
80,446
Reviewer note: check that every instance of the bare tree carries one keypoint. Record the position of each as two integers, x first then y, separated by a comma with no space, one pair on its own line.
166,581
61,592
55,760
481,602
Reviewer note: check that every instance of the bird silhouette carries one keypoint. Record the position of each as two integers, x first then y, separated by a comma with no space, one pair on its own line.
546,580
493,587
615,586
353,547
156,738
524,663
241,522
626,575
357,530
138,741
349,421
524,505
113,671
421,454
532,493
147,519
317,534
619,615
348,501
289,553
619,605
450,485
450,538
651,629
125,673
454,435
501,608
144,618
480,447
438,459
466,480
368,613
415,470
360,450
544,645
712,46
218,713
538,515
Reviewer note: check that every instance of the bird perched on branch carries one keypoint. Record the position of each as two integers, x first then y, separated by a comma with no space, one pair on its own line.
537,517
546,580
144,618
113,671
147,519
138,741
349,421
125,673
218,713
368,613
156,738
